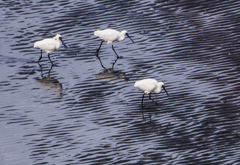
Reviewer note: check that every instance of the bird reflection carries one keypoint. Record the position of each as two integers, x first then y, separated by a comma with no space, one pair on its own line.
147,113
150,126
111,74
145,118
48,82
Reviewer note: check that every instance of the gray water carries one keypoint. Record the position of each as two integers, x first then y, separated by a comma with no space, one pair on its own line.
85,110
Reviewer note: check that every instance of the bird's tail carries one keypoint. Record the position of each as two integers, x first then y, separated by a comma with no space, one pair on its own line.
136,84
35,45
96,33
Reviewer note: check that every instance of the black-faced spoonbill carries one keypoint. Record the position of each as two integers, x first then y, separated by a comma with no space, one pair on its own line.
49,45
111,35
149,86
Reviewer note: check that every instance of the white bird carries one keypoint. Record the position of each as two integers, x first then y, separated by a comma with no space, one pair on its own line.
49,45
111,35
149,86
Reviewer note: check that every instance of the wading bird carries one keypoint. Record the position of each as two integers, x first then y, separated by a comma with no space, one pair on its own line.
149,86
111,35
49,45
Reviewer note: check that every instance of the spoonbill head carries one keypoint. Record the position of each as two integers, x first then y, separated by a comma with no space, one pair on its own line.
110,36
149,86
49,45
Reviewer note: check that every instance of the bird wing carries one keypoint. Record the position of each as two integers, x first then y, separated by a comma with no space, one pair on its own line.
146,86
107,34
48,44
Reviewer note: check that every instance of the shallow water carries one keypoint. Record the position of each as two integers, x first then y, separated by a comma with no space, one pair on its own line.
85,110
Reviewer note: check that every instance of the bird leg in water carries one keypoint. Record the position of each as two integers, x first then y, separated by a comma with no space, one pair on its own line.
40,57
101,62
115,51
99,48
152,99
114,63
142,98
50,59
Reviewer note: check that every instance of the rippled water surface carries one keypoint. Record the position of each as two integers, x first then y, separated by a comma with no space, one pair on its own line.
85,110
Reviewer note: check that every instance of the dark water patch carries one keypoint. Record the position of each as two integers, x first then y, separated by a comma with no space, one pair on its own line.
86,111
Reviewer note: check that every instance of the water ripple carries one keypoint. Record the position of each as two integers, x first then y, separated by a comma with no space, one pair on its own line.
85,110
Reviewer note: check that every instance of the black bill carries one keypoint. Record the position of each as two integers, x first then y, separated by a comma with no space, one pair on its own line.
65,46
130,38
166,91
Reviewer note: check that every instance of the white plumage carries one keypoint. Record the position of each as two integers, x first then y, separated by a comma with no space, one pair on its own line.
111,35
49,45
149,86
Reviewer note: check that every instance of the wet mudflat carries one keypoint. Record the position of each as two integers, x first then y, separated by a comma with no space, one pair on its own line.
85,110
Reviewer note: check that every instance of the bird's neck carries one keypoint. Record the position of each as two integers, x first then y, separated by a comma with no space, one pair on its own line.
58,44
122,37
